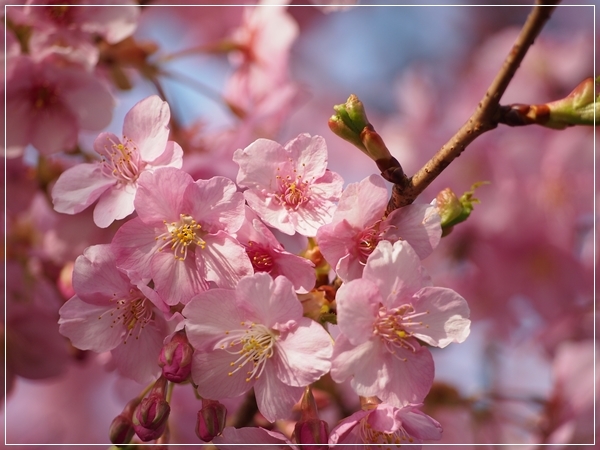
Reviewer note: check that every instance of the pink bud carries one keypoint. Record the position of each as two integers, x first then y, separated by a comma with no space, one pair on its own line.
151,415
211,420
176,358
314,432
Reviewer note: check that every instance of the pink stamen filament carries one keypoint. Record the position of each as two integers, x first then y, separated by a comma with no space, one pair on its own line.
181,235
393,328
133,313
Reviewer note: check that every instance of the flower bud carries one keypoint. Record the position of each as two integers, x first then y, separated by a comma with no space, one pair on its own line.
575,109
151,415
310,431
349,121
454,210
211,420
176,358
121,430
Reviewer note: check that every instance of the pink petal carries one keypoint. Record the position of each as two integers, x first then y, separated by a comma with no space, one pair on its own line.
363,362
447,316
146,124
396,270
210,315
176,281
210,371
362,204
270,211
336,241
305,354
216,204
300,271
54,129
410,380
358,305
419,424
137,357
258,164
160,194
79,322
346,431
78,187
275,399
243,436
270,302
419,225
96,278
114,204
309,155
134,245
171,157
223,260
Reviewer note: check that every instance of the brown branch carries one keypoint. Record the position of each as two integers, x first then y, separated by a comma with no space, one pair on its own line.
485,116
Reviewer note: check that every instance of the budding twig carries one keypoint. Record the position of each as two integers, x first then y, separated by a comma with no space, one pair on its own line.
485,116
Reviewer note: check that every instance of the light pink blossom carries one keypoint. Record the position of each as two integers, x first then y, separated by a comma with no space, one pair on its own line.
114,180
386,426
47,105
255,336
109,313
358,225
268,255
289,187
181,239
381,316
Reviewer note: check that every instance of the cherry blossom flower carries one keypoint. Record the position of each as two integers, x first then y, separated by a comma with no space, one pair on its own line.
268,255
113,181
47,105
255,336
386,426
289,187
381,316
181,238
109,313
112,20
358,225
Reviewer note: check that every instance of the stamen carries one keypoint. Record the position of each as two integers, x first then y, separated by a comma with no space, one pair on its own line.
393,328
132,313
181,236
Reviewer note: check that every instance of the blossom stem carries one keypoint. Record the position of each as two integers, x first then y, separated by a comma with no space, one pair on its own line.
485,116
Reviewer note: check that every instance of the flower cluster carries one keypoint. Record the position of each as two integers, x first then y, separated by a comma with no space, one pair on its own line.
199,270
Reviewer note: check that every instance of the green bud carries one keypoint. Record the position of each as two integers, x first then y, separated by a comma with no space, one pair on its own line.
575,109
454,210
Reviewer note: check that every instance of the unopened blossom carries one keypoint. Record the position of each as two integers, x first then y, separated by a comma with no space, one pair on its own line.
109,313
47,105
268,255
255,337
359,224
386,426
113,180
383,316
182,236
289,187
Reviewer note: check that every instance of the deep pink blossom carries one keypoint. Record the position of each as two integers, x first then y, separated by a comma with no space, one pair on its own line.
47,105
113,180
181,239
386,426
255,336
381,316
289,187
109,313
359,224
268,255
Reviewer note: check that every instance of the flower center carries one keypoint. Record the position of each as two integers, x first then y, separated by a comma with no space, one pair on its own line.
181,236
393,327
260,257
367,241
44,95
132,313
122,160
369,435
293,191
254,345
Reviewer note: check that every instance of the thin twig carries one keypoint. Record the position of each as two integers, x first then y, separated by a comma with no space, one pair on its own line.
485,116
